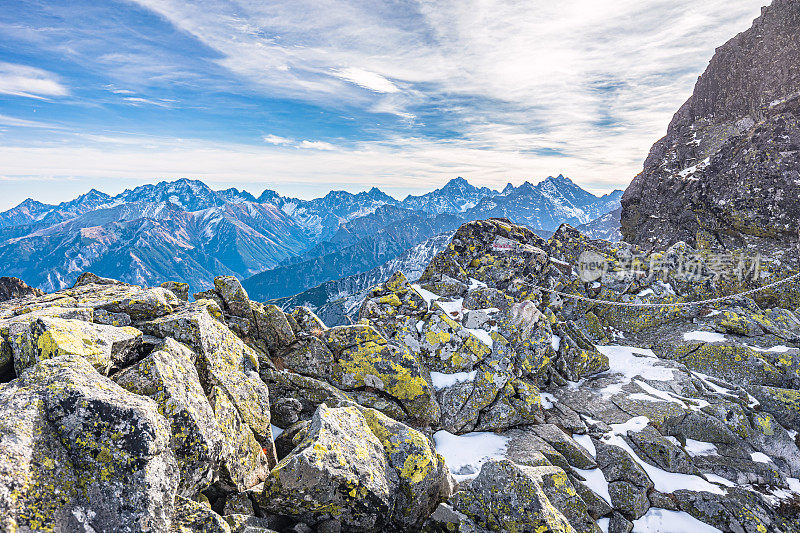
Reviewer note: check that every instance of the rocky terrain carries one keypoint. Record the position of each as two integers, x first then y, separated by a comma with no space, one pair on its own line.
16,288
726,174
472,400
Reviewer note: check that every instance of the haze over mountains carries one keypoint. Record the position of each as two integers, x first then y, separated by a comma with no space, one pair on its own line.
185,230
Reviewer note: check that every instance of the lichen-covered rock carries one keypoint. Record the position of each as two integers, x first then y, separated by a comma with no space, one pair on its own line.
364,359
307,321
245,461
273,326
783,404
492,251
307,394
629,499
233,296
445,519
47,337
421,472
28,315
181,290
309,356
168,376
339,471
514,498
371,473
194,517
81,453
145,304
243,523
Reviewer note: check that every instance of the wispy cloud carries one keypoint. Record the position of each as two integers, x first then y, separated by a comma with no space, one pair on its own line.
274,139
593,80
16,122
369,80
138,100
403,94
31,82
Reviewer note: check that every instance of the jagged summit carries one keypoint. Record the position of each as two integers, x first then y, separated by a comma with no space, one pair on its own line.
726,174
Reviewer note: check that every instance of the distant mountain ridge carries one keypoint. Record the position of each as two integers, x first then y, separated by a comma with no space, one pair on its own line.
184,229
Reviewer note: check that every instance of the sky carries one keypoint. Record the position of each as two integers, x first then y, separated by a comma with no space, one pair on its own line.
307,96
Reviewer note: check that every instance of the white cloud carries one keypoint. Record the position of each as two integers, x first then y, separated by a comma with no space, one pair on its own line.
589,83
31,82
274,139
368,80
158,102
317,145
399,164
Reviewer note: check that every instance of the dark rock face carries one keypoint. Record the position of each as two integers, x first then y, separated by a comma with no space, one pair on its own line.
11,288
727,174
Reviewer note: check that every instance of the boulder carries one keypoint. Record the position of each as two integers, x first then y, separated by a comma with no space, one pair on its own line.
46,337
338,471
82,453
194,517
510,497
168,376
371,473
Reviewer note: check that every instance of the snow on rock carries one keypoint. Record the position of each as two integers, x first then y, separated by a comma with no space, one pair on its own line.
664,481
760,457
465,454
427,295
596,481
664,521
704,336
586,442
442,381
548,400
555,342
630,363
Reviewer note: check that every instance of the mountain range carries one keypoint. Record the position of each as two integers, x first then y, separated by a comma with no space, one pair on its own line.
278,245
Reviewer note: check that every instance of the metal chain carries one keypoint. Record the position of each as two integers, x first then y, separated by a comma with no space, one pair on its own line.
677,304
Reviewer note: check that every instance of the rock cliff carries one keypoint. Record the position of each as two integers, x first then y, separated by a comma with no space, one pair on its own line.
727,174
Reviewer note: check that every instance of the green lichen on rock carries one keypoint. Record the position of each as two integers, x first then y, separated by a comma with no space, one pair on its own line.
168,376
101,456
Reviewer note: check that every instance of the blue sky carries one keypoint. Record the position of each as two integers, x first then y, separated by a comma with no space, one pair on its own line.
304,96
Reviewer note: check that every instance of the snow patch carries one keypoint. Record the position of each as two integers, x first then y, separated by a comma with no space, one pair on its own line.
442,381
665,521
703,336
555,342
548,400
630,362
760,457
596,481
586,442
465,454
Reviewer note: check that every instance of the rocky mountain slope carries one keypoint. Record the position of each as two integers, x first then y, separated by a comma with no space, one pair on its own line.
546,205
185,230
606,227
726,174
336,302
472,400
11,288
361,256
